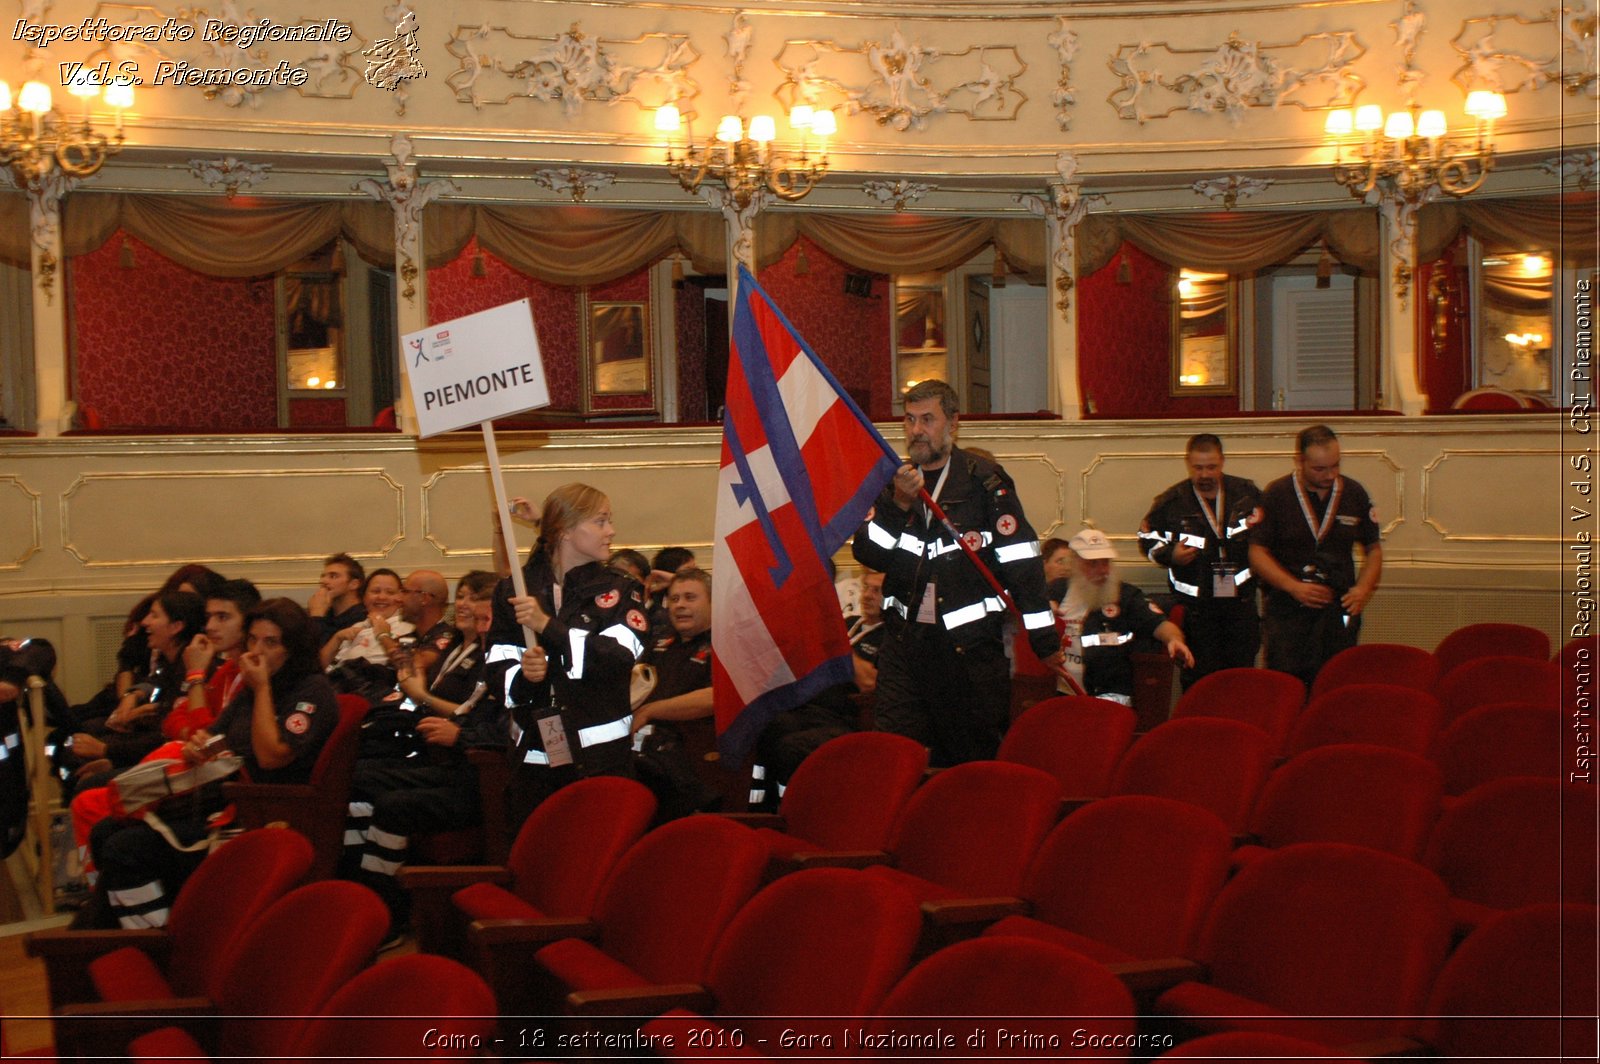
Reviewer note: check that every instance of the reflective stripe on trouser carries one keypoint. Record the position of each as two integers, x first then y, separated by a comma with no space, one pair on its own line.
385,852
145,905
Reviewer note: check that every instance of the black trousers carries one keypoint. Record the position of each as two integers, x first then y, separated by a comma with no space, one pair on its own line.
1300,639
1221,633
955,701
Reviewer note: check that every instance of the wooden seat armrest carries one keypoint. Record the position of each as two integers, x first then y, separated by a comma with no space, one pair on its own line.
973,912
1157,976
530,934
104,1028
452,877
66,955
1393,1046
643,1001
775,821
835,859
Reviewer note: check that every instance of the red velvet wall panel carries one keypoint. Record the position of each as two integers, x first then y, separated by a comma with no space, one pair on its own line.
160,346
849,333
1124,344
689,307
453,292
316,413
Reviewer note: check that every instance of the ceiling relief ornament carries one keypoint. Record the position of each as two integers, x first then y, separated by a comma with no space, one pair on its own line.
1231,189
1512,53
1065,42
738,43
1317,71
202,48
902,83
573,182
228,174
898,193
1577,168
571,68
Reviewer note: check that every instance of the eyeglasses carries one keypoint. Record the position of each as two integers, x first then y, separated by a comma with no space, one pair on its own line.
414,591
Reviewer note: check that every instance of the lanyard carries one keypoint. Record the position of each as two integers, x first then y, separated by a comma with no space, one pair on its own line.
937,488
450,662
1318,531
1211,520
860,630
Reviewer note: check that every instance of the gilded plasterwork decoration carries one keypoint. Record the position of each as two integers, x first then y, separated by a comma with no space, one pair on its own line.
1065,42
1231,189
1317,71
20,527
1063,206
229,175
898,193
44,225
1510,53
738,42
902,83
406,195
328,67
573,182
1578,168
571,68
1399,212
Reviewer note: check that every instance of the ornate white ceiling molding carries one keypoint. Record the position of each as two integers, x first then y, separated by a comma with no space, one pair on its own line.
571,68
573,182
1577,168
898,193
1231,189
1237,75
1510,53
1063,206
228,174
1065,42
738,42
894,80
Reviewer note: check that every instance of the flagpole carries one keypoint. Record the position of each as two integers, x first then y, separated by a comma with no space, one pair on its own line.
508,531
983,570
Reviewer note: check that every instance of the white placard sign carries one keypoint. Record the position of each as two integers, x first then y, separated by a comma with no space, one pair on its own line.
475,369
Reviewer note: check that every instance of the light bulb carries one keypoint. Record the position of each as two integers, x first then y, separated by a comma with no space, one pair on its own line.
1369,117
730,130
763,130
1431,124
668,118
1399,126
800,116
1486,106
824,124
1339,124
119,95
34,98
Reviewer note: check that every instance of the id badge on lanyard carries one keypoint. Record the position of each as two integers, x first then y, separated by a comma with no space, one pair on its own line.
1223,584
553,737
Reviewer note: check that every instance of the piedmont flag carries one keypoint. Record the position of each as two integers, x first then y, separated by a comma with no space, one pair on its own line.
801,465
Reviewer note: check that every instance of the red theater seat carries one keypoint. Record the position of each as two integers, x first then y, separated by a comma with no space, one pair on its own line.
1075,738
1490,639
1387,663
1262,697
1214,763
1382,714
1497,741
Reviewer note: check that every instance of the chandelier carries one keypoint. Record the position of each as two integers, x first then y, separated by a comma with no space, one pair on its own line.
743,156
1409,151
34,137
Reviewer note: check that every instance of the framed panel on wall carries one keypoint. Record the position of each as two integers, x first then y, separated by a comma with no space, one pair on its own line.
617,358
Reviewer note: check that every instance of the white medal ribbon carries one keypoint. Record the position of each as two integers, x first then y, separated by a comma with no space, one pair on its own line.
1318,531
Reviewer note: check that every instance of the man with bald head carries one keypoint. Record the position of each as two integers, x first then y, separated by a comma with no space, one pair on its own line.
423,595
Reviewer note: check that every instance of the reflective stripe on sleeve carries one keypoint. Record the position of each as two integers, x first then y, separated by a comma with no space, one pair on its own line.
1182,588
892,603
607,732
1241,576
1042,619
911,543
1016,552
1190,540
1107,639
624,635
578,640
975,612
880,537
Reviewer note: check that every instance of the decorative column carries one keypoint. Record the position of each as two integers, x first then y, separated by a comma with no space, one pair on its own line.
739,210
1063,207
406,195
1398,369
52,378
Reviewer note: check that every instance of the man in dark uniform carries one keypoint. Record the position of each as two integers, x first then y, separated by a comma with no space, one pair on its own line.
1310,520
336,603
1199,531
943,678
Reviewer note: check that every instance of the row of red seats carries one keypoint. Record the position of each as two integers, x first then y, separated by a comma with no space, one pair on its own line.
252,965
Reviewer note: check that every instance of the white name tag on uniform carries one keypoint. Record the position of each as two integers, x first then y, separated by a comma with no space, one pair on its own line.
553,737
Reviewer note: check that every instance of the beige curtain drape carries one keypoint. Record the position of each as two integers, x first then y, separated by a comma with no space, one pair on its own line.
1231,243
1562,225
14,230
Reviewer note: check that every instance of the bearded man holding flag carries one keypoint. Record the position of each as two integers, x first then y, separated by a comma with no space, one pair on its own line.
943,677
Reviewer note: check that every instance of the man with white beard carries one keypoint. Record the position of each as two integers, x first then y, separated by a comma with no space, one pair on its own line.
1104,618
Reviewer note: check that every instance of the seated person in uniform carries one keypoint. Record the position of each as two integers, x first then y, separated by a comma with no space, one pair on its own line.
357,656
627,560
1105,620
668,562
841,709
336,603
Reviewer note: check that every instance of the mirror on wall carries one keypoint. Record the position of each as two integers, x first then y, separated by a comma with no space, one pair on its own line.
1203,332
921,347
1515,329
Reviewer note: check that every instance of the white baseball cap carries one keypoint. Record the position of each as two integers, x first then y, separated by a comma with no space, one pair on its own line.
1091,544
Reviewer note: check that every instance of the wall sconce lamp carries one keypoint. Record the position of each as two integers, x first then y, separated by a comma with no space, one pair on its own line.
1409,151
35,137
744,157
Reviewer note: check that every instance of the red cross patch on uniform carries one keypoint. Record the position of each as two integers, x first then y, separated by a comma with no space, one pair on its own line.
297,723
973,540
442,642
1006,525
1254,519
636,621
607,599
1110,609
